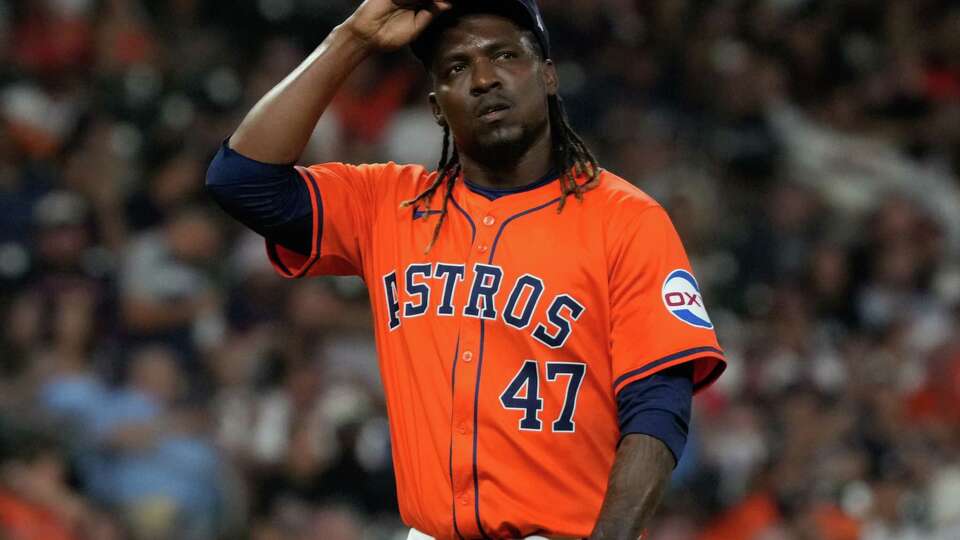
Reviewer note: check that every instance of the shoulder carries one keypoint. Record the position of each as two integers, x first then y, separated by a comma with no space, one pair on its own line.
374,171
389,176
619,201
632,222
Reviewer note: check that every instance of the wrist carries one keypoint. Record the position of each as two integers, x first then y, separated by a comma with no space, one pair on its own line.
351,39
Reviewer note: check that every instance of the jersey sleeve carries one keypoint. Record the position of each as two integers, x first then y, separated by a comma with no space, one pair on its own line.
344,200
658,317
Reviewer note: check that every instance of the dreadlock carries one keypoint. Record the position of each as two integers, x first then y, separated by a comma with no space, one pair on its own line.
447,171
570,155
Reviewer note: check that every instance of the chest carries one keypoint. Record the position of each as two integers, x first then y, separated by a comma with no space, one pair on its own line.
528,267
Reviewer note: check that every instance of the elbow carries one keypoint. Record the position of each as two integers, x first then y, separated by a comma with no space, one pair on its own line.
259,195
215,192
218,173
221,178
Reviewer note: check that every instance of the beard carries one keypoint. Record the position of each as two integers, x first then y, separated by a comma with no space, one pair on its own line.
501,146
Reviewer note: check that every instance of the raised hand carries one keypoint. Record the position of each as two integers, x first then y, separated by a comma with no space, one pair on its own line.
390,24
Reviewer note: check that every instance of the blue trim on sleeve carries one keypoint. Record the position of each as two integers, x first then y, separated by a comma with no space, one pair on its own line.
256,193
269,198
659,406
660,361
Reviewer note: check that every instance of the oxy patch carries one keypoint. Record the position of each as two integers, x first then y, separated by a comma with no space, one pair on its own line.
681,296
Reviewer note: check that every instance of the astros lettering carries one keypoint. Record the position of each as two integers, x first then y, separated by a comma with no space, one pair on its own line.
485,295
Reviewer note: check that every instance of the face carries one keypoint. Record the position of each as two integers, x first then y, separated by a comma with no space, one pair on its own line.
491,87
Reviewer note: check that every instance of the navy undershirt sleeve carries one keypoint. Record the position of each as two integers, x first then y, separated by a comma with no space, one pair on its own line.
270,199
659,406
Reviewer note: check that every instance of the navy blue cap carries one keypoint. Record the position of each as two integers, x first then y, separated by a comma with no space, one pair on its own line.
525,13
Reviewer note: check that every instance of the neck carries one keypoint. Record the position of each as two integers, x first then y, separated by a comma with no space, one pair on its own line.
527,167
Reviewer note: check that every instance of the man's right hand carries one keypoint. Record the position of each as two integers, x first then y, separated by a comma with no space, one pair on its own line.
390,24
278,127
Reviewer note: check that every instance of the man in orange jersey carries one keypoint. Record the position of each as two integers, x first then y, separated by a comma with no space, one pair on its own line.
539,330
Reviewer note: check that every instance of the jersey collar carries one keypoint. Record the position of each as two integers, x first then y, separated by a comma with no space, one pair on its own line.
478,204
496,193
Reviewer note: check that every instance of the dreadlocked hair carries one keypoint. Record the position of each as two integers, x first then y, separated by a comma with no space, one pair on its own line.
570,155
447,172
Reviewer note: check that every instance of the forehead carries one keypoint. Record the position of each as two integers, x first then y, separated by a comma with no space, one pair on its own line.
478,30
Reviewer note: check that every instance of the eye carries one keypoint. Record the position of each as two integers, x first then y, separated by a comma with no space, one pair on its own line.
506,55
455,69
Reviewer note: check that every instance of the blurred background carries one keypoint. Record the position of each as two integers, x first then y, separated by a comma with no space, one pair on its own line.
158,381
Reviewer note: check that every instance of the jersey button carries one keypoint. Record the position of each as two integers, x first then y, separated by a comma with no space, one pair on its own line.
464,501
482,248
462,429
489,220
467,356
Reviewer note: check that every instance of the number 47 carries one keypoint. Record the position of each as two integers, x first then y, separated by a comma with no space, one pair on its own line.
527,383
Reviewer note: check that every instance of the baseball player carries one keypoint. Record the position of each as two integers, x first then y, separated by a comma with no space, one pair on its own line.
539,330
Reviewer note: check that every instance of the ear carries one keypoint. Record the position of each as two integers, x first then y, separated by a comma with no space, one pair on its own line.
550,79
437,112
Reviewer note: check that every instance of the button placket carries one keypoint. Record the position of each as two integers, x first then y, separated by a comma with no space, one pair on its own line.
484,238
462,422
467,376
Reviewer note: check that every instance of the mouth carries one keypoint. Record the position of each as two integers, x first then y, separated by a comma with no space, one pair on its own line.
492,112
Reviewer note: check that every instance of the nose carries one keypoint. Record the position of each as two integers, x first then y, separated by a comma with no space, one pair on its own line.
484,78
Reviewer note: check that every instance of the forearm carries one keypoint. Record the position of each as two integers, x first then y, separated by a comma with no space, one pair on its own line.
640,475
279,126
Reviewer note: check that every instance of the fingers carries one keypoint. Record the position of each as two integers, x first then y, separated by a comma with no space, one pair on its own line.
431,6
409,4
423,17
417,5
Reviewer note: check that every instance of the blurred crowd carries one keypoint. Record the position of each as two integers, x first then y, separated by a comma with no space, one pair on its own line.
158,381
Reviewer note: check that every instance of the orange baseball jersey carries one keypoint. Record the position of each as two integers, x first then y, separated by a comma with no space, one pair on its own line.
503,348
